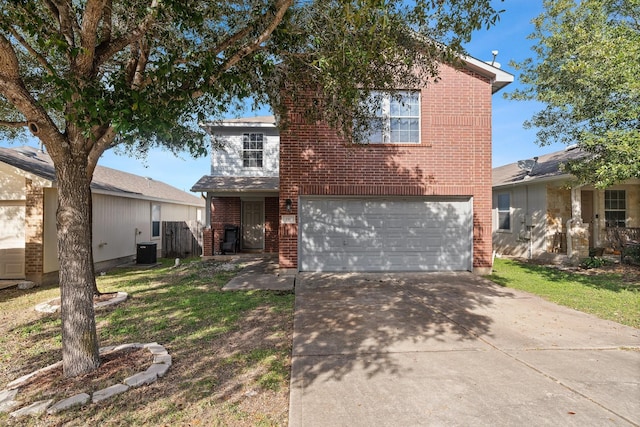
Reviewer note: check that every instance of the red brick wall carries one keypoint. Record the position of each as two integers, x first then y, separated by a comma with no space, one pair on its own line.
224,211
453,158
227,210
207,242
271,224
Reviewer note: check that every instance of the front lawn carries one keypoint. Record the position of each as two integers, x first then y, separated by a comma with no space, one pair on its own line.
608,295
231,350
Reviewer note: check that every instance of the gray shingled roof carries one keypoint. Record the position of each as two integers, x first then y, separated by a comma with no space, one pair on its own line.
547,166
34,161
236,183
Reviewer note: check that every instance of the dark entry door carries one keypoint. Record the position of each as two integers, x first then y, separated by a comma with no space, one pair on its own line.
253,225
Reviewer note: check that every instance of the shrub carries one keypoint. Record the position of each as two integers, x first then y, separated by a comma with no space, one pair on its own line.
593,262
632,253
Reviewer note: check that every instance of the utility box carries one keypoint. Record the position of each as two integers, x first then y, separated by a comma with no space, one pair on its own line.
146,253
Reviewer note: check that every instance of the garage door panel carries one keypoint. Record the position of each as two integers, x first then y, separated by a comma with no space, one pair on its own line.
385,235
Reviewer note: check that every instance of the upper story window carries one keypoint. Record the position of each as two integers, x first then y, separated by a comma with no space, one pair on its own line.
252,144
504,211
615,204
397,118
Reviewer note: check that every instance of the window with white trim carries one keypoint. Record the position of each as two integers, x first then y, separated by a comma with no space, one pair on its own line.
252,144
504,211
615,205
155,220
397,119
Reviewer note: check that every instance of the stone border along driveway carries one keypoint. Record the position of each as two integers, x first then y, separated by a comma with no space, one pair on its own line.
159,367
49,307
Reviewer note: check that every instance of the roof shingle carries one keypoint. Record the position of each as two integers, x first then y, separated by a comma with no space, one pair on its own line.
547,166
37,162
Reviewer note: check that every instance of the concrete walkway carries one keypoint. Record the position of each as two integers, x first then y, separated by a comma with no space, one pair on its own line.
454,349
259,272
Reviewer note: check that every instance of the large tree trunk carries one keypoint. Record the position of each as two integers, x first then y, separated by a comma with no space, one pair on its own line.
80,352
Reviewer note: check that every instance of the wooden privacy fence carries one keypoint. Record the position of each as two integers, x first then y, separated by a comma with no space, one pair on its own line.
181,239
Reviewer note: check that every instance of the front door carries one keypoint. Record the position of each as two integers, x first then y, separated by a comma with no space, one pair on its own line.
253,225
587,213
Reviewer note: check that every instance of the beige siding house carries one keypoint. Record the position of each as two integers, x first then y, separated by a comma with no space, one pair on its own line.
127,210
539,210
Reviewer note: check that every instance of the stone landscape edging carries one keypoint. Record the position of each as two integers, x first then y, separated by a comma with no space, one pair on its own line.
158,368
49,307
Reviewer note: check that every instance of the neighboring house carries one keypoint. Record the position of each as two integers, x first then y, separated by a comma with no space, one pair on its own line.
127,210
416,197
541,210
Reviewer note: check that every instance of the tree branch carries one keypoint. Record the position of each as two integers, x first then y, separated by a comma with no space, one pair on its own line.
107,50
9,66
224,45
61,10
13,89
41,59
106,136
89,35
281,8
107,16
143,58
7,124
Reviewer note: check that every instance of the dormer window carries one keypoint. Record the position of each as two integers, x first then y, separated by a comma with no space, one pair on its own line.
252,150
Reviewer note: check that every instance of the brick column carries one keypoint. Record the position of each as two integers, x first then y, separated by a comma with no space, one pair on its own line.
207,242
34,232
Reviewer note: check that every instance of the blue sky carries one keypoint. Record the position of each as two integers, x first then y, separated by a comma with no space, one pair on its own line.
511,142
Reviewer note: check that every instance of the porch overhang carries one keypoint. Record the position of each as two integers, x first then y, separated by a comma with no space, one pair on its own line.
228,185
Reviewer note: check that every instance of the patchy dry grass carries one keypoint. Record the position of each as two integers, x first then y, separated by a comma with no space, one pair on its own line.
231,350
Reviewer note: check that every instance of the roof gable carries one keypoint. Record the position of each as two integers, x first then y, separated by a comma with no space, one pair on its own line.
496,76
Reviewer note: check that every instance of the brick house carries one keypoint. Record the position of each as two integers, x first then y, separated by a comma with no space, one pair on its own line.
540,211
127,210
415,197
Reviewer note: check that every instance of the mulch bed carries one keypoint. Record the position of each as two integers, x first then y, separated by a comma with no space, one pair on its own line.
114,367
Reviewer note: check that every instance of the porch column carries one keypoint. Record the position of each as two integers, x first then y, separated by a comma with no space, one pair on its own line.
576,203
207,211
577,231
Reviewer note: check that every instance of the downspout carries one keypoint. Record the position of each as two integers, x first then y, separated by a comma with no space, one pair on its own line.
207,210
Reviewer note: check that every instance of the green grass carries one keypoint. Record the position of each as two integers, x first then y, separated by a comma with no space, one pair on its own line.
607,295
223,345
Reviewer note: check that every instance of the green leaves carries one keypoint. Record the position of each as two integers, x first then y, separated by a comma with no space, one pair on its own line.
588,60
157,70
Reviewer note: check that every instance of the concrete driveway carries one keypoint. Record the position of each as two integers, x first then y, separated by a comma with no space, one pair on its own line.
453,349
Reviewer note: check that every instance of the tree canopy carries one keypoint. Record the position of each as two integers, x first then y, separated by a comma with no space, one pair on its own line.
586,72
87,75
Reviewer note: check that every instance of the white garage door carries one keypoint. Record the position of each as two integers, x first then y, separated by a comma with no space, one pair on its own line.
12,242
397,234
